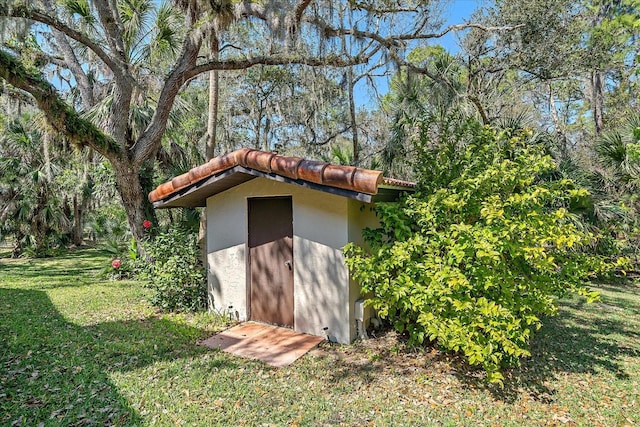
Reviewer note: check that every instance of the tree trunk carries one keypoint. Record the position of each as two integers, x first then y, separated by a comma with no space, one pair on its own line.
259,126
17,243
77,222
267,129
597,100
134,199
212,131
46,142
559,128
597,76
39,226
214,94
352,115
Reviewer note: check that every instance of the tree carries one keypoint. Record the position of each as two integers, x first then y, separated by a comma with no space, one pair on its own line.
32,209
470,83
76,182
618,151
590,43
130,60
285,108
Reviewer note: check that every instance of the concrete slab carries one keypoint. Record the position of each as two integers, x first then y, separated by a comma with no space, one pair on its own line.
273,345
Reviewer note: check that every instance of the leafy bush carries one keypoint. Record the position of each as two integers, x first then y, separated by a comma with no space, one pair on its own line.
123,265
481,250
174,272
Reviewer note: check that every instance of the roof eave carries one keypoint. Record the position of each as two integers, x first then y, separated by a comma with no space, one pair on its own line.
196,195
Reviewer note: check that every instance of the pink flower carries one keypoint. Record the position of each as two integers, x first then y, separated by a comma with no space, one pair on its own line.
116,263
146,224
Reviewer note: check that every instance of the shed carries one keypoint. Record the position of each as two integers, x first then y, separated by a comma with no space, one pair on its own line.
276,226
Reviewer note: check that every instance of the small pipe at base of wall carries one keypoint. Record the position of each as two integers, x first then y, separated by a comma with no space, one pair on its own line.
361,331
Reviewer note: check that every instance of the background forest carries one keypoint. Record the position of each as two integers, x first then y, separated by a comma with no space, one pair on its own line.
102,100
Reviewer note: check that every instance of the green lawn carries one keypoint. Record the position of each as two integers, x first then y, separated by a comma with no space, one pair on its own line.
78,350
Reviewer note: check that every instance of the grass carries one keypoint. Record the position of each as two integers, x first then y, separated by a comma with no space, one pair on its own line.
78,350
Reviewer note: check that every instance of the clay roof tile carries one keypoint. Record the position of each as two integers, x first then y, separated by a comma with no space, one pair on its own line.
296,168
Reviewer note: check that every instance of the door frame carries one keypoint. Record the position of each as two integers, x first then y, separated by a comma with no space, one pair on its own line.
248,252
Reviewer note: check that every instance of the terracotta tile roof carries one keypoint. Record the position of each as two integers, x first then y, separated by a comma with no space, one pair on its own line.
296,168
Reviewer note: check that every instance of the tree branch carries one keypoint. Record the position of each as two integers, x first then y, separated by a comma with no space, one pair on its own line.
395,40
244,63
332,136
186,70
117,124
41,59
483,114
458,27
375,10
329,31
149,142
16,94
25,12
60,116
72,63
419,70
110,22
299,9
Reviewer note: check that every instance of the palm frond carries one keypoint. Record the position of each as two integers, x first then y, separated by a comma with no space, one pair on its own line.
164,40
136,17
516,122
611,150
81,9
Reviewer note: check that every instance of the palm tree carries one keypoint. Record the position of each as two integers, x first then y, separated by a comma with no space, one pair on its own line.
619,152
618,155
32,212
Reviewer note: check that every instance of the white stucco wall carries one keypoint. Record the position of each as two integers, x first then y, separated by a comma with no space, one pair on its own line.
322,294
226,248
321,277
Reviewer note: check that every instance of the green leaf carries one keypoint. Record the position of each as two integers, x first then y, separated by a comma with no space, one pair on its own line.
80,8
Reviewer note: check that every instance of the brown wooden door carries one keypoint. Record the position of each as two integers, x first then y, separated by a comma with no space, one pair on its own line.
271,260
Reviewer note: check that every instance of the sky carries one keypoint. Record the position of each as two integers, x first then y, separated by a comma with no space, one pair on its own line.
455,12
458,12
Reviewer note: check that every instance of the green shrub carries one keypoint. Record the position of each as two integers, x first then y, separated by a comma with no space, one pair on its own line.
483,248
123,265
174,272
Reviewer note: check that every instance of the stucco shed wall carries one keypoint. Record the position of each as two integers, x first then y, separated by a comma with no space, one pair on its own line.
322,295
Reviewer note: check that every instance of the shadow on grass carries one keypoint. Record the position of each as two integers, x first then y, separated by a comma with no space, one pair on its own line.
582,339
56,372
573,343
74,269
